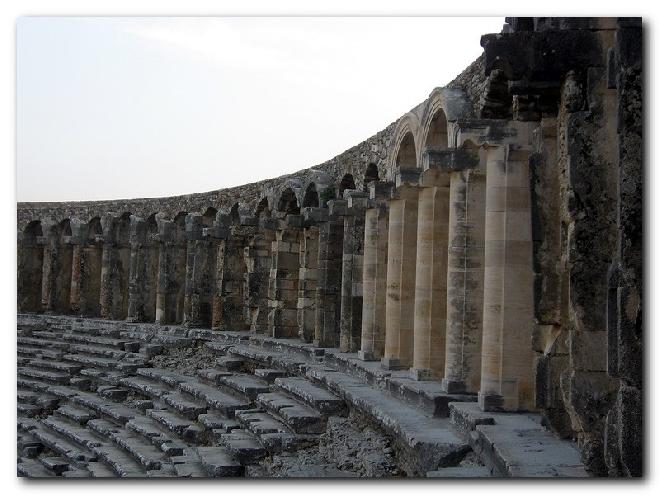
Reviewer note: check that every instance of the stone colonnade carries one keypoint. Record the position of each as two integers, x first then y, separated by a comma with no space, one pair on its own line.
430,273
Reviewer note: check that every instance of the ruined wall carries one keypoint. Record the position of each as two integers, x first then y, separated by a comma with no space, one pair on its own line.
519,188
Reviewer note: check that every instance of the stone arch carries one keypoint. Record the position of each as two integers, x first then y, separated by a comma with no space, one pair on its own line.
403,153
347,182
30,266
370,175
208,217
288,203
311,198
234,214
435,131
263,208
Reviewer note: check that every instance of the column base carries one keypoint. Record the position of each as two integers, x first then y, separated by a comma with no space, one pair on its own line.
421,374
391,363
453,386
490,402
367,356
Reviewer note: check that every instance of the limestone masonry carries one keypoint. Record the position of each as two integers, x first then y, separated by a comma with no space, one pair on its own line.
461,291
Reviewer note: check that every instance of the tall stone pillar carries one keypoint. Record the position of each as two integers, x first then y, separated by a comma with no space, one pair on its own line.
228,313
166,267
283,283
200,271
77,246
56,271
431,276
374,272
258,261
328,288
465,281
115,264
507,381
350,327
401,270
308,273
30,262
143,276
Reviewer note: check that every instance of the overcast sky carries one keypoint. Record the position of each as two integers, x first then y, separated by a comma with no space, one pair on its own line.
142,107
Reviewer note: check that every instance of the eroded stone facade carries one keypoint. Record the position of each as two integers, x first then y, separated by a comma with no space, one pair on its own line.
490,240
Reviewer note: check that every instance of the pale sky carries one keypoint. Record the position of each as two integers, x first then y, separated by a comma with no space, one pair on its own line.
112,108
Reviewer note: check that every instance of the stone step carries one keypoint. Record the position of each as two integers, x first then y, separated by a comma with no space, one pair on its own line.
139,448
268,374
296,415
60,366
212,375
103,362
103,376
316,397
30,468
94,350
47,376
117,412
247,385
188,408
28,446
27,383
118,394
56,465
100,470
186,428
427,441
424,394
218,347
260,422
230,363
94,340
271,359
120,461
51,344
29,410
39,352
81,436
77,414
243,445
146,386
153,431
215,421
62,445
38,398
214,398
218,462
186,466
168,377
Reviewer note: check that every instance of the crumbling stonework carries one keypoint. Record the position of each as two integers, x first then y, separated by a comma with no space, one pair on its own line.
484,250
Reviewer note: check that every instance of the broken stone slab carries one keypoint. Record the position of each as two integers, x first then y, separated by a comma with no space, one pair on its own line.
212,375
59,366
315,396
47,376
77,414
113,393
219,463
55,464
77,434
168,377
229,363
177,424
243,445
94,350
215,421
259,422
30,468
248,385
426,395
185,406
297,416
116,412
214,398
268,374
145,386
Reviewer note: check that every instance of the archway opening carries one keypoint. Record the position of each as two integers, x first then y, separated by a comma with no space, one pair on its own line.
311,198
406,157
288,202
370,175
347,182
30,266
437,132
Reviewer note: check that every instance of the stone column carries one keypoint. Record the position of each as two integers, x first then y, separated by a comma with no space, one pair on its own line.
465,281
56,281
200,272
431,277
49,272
507,381
77,241
308,273
137,272
350,327
258,263
283,283
374,273
401,269
115,264
30,266
166,268
328,289
228,300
